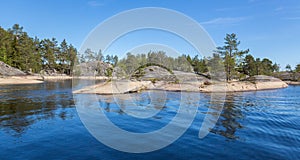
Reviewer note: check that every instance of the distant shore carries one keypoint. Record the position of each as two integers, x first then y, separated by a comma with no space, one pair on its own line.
292,82
21,80
49,78
34,79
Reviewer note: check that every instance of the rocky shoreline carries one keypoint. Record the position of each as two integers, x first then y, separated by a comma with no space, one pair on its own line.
292,82
35,79
157,78
128,86
131,86
152,78
20,80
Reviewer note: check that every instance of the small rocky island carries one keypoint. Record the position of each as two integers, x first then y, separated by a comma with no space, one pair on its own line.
159,78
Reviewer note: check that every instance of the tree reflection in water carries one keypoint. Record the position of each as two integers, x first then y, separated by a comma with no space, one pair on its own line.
146,104
228,123
24,105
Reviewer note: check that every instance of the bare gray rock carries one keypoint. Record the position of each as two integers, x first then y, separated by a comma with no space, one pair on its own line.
262,78
93,68
153,73
288,76
6,70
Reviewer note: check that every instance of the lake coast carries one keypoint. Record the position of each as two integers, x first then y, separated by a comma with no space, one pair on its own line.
129,86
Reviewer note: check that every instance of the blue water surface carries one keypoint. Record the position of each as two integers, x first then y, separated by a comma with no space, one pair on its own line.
40,121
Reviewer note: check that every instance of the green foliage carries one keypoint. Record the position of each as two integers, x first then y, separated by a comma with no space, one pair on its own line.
90,56
31,54
77,71
181,63
108,59
276,67
231,55
115,60
139,72
199,65
288,68
249,66
297,69
153,80
99,56
266,67
109,72
216,66
237,66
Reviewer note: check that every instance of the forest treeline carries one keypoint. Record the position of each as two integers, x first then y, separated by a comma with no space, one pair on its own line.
21,51
34,55
235,63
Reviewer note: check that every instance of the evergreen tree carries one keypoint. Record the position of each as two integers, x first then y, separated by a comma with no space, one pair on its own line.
266,67
216,67
36,60
108,59
231,54
297,69
48,50
115,60
99,56
249,66
89,55
30,54
276,67
72,58
4,45
199,65
288,68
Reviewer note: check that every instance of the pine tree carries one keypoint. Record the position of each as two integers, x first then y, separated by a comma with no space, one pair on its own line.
297,69
72,54
288,68
231,54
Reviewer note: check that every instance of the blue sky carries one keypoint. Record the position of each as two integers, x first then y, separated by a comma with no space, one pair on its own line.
269,28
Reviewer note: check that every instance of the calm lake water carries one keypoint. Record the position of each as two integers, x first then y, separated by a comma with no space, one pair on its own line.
40,121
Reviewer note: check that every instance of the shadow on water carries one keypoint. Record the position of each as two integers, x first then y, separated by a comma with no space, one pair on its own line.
24,105
229,121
